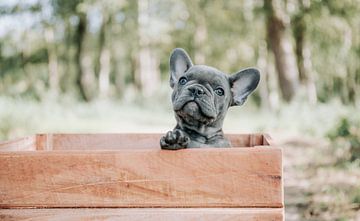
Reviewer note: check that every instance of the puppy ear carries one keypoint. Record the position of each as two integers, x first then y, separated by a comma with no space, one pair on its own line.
180,62
242,84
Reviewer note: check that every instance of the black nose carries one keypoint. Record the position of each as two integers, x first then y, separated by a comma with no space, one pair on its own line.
196,91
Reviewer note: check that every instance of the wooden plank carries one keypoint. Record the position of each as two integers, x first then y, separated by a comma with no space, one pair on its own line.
121,141
256,140
153,214
98,141
110,141
208,177
239,140
25,143
267,140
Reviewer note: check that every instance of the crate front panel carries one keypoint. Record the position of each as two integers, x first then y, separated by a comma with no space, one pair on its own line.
126,141
148,214
111,141
214,177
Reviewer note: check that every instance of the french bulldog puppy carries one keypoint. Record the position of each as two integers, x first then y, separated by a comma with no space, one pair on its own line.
201,97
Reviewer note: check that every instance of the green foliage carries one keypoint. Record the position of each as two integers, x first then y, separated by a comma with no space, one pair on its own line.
356,196
347,135
232,36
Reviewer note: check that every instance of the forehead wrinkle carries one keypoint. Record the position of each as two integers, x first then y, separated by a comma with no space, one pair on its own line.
205,74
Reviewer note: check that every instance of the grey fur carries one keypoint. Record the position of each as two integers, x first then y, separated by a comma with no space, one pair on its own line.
199,107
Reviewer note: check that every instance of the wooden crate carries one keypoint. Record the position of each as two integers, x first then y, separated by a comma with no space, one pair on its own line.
128,177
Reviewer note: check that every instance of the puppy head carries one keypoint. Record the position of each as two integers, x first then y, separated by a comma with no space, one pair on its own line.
202,94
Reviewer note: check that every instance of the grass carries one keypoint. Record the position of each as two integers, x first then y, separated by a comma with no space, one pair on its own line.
21,117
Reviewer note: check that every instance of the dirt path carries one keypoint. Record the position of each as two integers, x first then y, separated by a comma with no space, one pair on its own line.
316,189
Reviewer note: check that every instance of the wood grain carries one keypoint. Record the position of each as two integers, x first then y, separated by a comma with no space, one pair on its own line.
25,143
124,141
98,141
267,140
154,214
209,177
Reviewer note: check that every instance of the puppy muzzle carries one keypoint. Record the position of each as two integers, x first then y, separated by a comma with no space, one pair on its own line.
201,96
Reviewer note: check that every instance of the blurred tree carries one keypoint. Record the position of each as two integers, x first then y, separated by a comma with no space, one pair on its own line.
148,67
53,60
120,48
79,43
200,37
302,50
280,44
71,11
102,68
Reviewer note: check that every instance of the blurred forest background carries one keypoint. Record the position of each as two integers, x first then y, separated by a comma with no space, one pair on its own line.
102,66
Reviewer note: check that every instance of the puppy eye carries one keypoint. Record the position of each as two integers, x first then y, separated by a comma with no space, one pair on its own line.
182,81
219,91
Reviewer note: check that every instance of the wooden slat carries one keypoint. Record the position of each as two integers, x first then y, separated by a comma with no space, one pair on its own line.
256,140
25,143
121,141
98,141
209,177
267,140
239,140
154,214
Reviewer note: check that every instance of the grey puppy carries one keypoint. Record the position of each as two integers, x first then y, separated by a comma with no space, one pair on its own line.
201,97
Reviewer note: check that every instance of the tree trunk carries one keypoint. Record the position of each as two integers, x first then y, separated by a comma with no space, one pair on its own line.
148,67
200,38
263,85
280,44
299,27
104,74
102,69
309,73
200,35
303,54
53,61
2,85
119,70
67,69
79,41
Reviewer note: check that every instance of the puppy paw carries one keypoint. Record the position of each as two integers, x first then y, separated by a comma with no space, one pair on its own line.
174,140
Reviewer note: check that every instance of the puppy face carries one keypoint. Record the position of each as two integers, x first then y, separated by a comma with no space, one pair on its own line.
202,94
